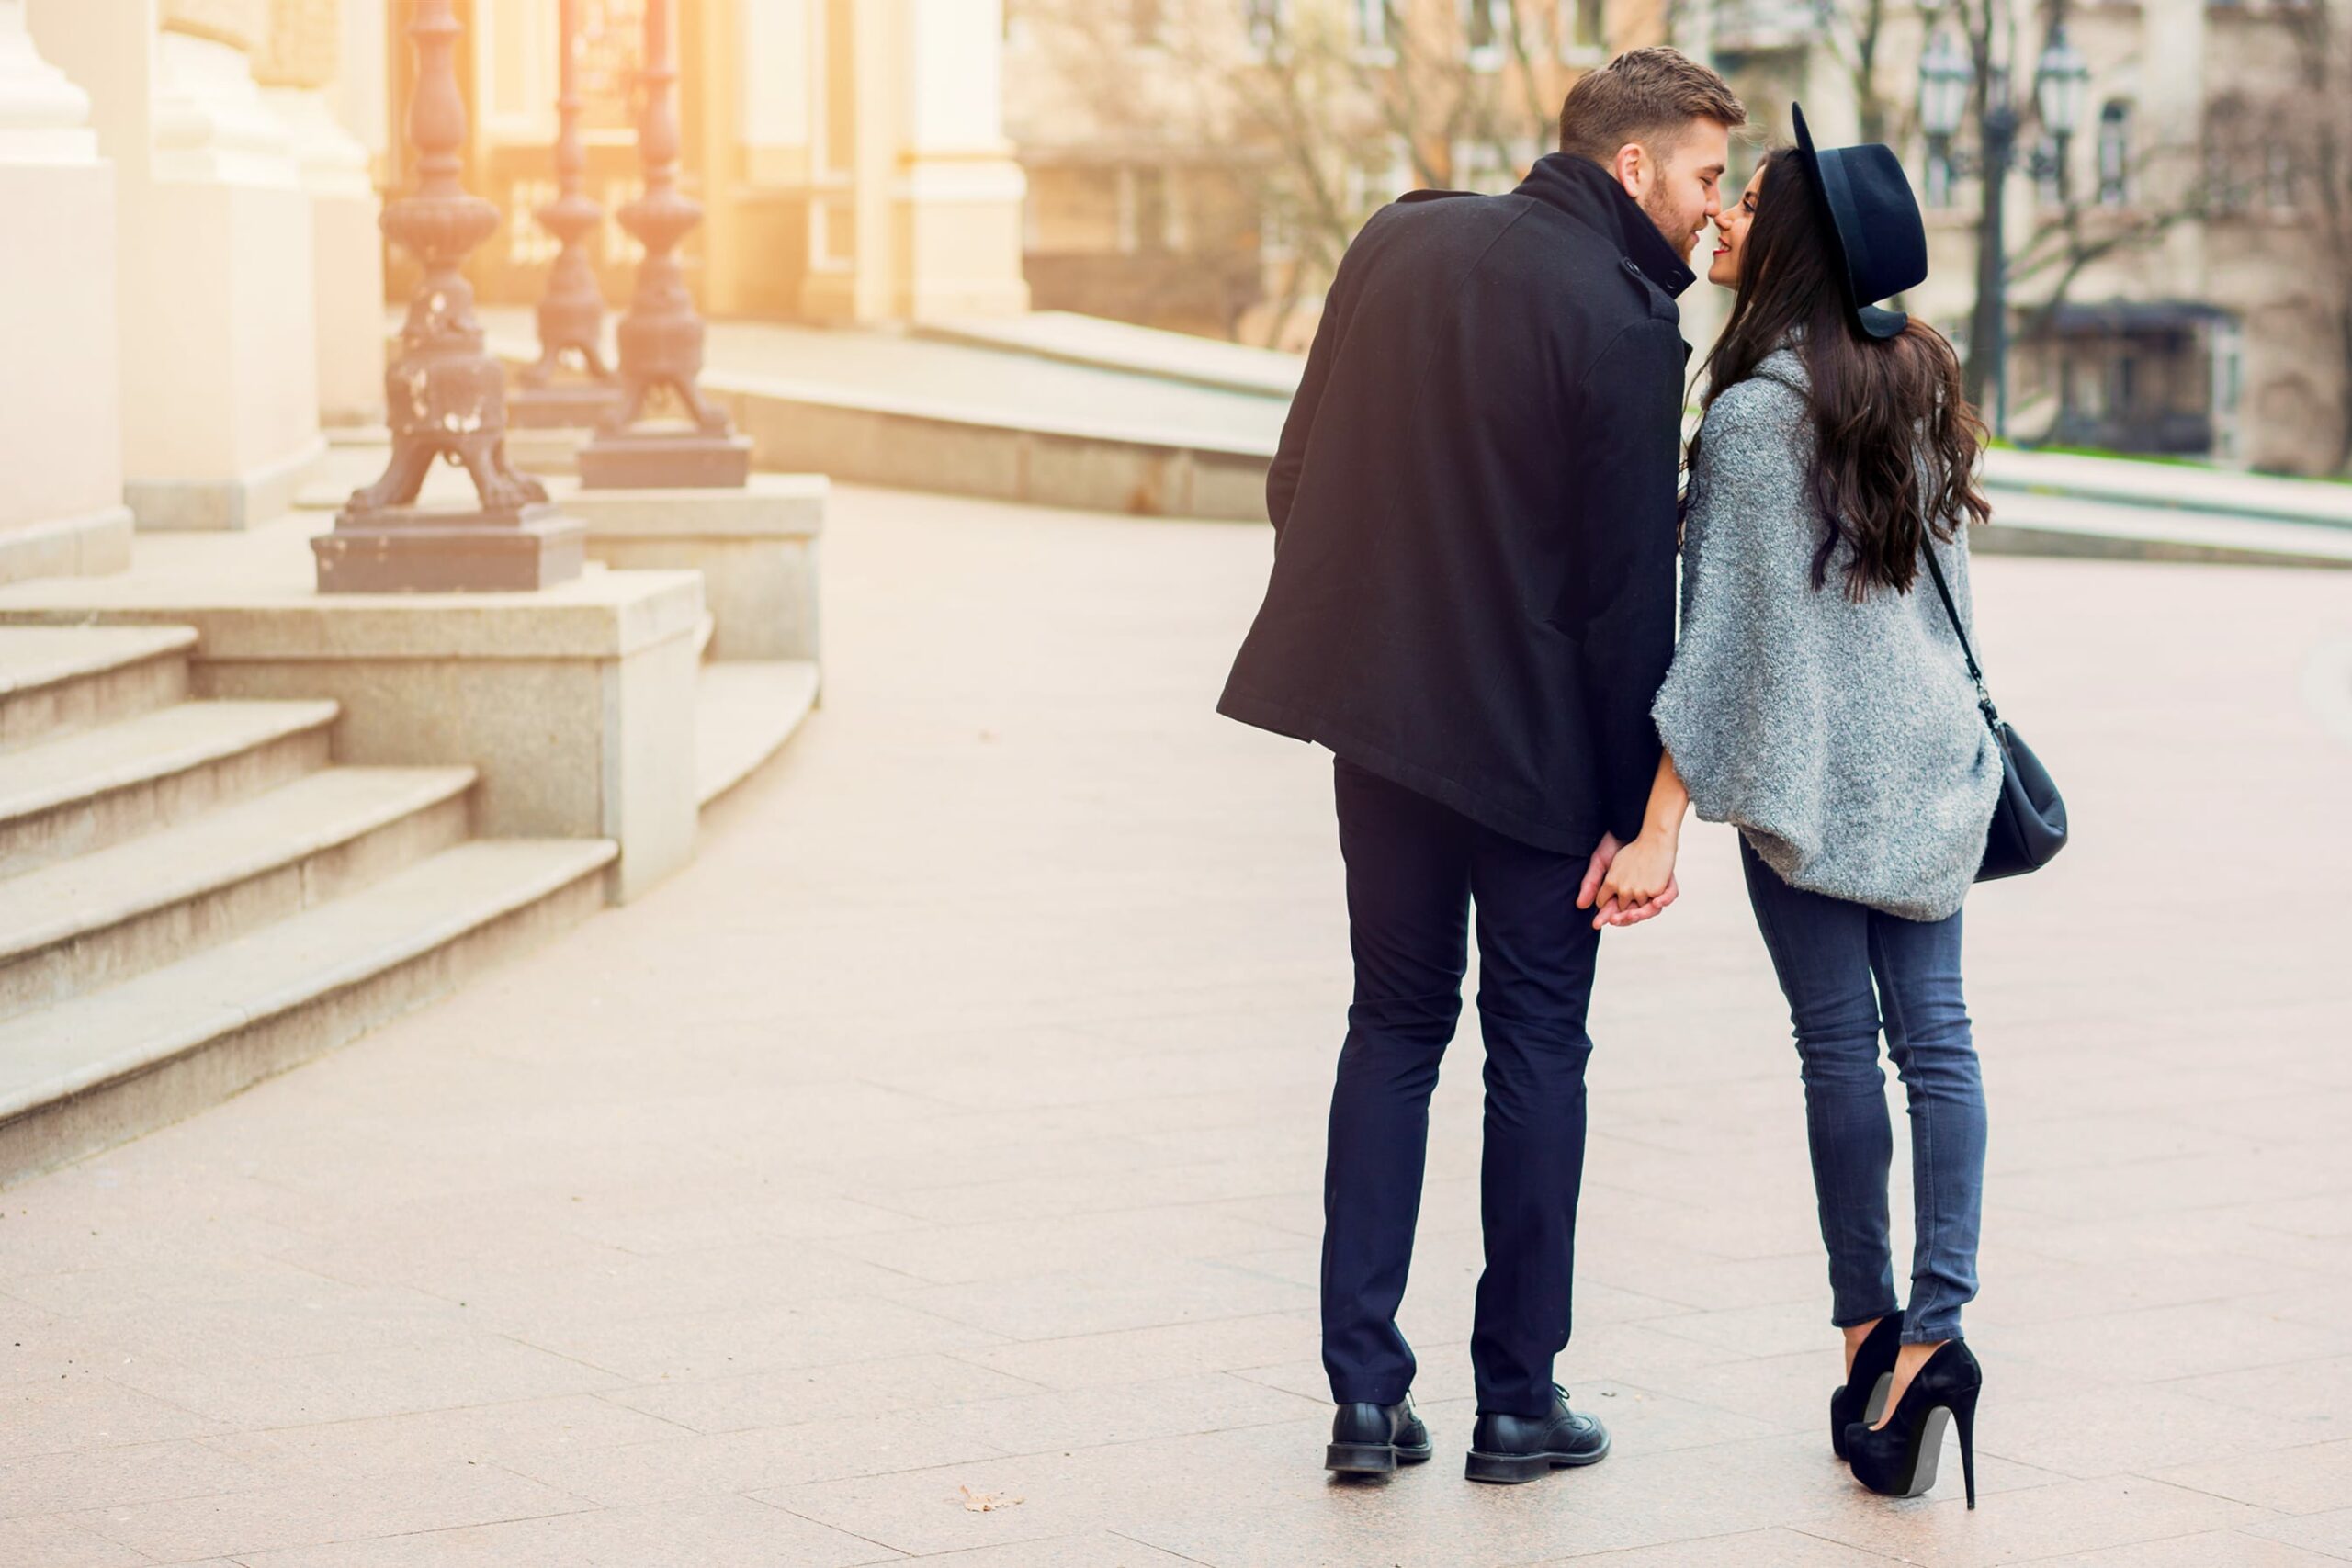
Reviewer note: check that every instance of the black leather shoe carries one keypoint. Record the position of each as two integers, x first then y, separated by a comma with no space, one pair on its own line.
1899,1459
1862,1396
1372,1439
1511,1449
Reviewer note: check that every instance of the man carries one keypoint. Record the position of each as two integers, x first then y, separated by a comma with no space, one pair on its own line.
1472,605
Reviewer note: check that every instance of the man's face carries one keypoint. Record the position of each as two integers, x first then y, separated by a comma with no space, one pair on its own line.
1683,192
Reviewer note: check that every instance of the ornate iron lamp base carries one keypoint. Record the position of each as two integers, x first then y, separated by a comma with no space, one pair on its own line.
655,459
420,549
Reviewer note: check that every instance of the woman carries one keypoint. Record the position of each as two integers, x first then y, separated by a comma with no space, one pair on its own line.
1819,702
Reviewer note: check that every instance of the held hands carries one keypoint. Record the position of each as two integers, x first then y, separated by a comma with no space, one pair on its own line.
1626,884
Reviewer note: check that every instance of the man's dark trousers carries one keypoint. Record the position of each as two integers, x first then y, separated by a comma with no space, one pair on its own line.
1414,868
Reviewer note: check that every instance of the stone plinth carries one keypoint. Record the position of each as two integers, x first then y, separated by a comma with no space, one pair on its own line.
755,547
575,408
423,549
576,704
651,458
546,449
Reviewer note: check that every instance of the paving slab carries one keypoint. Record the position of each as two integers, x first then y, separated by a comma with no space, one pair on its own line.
948,1134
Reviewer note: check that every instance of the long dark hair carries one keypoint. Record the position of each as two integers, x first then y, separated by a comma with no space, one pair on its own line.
1888,414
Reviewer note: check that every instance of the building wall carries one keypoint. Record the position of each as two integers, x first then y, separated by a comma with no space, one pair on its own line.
847,154
1189,173
2178,64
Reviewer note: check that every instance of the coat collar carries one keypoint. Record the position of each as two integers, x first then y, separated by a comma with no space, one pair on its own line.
1584,190
1786,365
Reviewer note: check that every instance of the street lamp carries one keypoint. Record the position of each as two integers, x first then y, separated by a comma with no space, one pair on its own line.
1945,77
2062,79
2061,84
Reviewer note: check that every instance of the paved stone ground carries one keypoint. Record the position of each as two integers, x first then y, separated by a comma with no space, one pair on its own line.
949,1132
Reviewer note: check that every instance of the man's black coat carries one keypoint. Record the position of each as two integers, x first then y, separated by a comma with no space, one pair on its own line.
1474,509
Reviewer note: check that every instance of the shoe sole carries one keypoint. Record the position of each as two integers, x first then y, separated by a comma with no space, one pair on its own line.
1931,1448
1371,1458
1513,1469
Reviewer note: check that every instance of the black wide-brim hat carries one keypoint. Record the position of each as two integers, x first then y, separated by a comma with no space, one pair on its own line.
1873,222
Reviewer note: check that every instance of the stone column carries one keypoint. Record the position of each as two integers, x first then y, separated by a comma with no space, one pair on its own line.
361,91
298,62
958,194
936,194
219,363
61,442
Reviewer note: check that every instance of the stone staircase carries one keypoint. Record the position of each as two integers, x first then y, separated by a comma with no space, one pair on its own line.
193,897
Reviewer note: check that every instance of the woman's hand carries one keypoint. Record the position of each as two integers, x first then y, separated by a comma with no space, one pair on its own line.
1625,886
1640,876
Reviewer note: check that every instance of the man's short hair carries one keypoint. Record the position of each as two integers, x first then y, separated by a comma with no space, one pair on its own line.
1648,96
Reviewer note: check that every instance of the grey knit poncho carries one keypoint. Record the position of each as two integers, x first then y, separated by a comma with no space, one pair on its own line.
1842,739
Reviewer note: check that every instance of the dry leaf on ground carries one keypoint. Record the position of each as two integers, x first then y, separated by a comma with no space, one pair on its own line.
978,1501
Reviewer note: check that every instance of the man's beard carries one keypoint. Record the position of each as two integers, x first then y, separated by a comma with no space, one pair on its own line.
1669,224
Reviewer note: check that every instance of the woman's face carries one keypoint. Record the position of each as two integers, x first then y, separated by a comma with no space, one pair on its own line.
1731,227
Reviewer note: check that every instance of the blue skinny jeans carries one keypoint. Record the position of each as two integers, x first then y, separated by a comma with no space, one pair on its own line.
1848,971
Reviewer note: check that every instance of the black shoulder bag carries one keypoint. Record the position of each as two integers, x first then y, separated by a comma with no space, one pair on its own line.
2030,820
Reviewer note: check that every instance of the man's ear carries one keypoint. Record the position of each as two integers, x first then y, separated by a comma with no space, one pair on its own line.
1632,168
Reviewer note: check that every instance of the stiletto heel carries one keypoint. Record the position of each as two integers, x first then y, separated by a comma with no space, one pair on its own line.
1899,1459
1862,1396
1964,1414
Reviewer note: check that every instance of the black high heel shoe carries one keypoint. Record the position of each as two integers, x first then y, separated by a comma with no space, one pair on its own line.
1898,1460
1862,1396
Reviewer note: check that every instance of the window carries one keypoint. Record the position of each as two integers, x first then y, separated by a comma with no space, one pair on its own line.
1144,212
1372,186
2279,178
2226,138
1491,168
1262,21
2114,153
2049,183
1277,231
1375,26
1485,28
2222,192
1938,176
1584,30
1150,222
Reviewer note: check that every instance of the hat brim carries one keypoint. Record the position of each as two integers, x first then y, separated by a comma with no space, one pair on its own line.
1881,322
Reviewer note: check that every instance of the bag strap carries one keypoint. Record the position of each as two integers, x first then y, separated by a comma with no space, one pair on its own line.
1943,591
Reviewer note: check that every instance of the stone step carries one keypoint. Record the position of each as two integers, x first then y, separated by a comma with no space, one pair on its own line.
2039,525
116,1063
59,680
744,712
103,917
84,792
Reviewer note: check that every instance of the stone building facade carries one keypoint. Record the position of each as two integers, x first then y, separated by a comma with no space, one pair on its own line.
849,154
2169,295
195,187
1199,164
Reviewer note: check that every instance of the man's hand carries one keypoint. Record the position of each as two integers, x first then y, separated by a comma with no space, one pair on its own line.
1602,855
